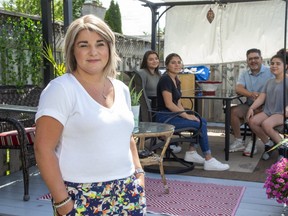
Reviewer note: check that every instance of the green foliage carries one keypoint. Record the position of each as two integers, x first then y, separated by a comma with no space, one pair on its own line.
135,96
33,7
22,6
20,48
77,8
58,67
113,17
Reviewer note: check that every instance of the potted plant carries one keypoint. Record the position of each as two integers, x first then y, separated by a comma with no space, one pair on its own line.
276,183
59,68
135,101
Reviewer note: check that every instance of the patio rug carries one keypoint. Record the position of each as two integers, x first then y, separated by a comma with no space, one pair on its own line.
191,198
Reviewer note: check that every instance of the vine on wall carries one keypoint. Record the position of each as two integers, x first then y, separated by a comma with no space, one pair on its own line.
20,51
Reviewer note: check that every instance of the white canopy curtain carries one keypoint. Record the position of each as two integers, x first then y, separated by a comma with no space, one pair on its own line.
236,28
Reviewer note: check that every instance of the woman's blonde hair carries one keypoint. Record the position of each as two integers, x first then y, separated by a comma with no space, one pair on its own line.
94,24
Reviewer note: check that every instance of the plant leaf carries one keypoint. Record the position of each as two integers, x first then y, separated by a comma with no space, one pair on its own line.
278,144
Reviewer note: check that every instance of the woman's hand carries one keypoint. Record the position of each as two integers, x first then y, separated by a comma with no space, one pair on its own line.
249,114
141,178
192,117
63,210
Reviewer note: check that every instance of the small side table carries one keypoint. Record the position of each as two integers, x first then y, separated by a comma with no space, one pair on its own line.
154,129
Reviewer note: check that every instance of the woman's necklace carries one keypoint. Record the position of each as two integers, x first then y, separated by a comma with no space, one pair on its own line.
103,91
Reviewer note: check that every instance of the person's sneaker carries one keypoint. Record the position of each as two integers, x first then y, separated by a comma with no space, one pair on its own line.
247,151
266,155
175,148
193,156
215,165
237,145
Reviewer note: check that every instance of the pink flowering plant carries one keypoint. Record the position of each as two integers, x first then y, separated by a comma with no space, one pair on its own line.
276,183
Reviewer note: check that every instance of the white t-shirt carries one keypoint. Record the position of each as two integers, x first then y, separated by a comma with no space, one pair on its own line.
95,143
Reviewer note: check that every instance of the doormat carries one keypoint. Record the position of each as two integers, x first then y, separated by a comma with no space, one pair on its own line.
189,198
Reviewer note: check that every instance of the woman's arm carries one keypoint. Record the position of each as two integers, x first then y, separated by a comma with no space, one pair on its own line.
48,132
256,104
167,96
136,161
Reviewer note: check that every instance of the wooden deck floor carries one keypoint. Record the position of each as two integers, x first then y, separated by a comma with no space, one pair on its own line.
253,203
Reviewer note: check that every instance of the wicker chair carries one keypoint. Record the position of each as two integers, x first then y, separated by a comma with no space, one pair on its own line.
155,159
17,131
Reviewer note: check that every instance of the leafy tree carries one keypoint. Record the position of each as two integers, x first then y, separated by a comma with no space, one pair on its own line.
22,6
33,7
113,17
77,8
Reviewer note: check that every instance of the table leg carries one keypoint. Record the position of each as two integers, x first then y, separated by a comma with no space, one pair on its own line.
227,128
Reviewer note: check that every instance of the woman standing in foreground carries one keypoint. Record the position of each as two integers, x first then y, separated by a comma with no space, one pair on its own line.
88,171
168,96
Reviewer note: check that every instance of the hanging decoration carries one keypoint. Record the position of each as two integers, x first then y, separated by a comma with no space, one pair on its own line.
210,15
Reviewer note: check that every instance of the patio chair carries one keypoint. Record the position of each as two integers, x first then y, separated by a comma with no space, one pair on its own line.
15,137
17,128
184,135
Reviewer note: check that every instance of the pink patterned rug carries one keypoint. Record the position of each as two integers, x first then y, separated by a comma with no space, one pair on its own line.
193,199
189,198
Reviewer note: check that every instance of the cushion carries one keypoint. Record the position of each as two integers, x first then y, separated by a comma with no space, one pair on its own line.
10,138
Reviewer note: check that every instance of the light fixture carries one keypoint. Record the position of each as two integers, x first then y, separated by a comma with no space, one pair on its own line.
210,15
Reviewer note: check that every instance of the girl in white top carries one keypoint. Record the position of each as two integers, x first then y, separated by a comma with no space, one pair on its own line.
84,148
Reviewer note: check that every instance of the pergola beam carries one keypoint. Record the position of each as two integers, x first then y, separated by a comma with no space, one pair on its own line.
67,7
47,32
181,3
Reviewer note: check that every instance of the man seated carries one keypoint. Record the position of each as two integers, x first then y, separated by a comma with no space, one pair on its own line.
250,83
263,124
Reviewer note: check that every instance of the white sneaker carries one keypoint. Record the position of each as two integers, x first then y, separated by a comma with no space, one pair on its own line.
237,145
175,149
247,151
193,156
215,165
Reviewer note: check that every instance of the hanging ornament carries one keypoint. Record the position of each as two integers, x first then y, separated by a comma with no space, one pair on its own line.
210,15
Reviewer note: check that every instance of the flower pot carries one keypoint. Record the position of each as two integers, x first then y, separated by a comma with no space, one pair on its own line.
136,111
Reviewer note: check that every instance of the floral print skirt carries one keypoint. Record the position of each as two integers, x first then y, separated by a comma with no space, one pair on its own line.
117,197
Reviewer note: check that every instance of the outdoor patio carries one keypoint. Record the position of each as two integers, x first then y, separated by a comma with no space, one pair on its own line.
254,201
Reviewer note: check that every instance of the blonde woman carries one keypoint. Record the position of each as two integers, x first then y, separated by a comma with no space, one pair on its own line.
87,170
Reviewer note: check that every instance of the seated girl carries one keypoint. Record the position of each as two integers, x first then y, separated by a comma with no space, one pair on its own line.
263,124
168,100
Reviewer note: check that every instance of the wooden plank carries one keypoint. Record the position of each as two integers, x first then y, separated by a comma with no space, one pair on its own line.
254,201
